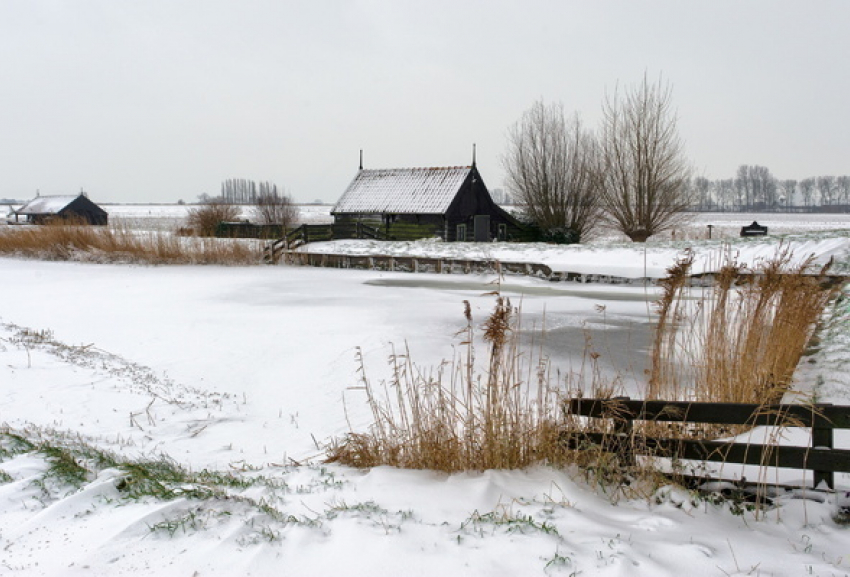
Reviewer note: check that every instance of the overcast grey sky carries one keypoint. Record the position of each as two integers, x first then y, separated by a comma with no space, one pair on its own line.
160,100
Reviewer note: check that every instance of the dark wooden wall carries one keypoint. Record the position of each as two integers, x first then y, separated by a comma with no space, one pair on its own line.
82,209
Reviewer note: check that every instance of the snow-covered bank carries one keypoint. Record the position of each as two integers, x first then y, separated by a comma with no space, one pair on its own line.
627,260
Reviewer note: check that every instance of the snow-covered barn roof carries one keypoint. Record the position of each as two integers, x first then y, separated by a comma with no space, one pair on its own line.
47,204
402,190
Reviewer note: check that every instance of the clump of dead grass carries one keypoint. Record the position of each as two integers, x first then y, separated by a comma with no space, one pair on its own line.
456,418
109,244
741,339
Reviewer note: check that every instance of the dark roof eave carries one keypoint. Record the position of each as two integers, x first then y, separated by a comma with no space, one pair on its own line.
336,212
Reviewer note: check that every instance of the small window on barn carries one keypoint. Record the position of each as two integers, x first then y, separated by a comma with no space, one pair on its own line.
461,232
503,232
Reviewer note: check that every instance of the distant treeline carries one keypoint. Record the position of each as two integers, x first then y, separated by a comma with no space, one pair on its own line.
755,188
244,191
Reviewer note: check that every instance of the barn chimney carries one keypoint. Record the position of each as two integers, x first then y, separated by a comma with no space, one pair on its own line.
361,159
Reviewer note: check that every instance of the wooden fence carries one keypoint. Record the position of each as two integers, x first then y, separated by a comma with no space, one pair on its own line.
417,264
821,458
317,233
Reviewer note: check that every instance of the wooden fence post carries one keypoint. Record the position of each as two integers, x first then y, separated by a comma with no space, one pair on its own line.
623,431
822,438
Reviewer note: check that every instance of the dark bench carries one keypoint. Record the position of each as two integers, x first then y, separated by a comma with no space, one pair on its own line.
754,229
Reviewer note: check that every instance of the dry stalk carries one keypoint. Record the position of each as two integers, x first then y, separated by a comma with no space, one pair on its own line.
742,340
116,244
457,418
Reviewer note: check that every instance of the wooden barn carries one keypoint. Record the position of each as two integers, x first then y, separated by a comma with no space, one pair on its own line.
452,203
73,209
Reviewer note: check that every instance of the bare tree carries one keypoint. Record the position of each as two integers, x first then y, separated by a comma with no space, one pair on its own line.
789,187
645,171
702,189
273,207
756,186
552,169
842,184
807,189
726,193
827,189
744,187
765,186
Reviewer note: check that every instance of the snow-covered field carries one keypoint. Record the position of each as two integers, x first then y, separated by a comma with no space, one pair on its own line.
169,217
245,369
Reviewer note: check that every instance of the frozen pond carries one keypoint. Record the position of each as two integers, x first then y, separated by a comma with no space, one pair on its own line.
613,322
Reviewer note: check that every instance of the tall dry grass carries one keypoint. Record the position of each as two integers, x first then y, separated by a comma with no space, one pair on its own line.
457,417
740,340
122,245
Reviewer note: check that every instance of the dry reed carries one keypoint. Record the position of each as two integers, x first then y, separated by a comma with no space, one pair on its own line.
739,341
121,245
457,418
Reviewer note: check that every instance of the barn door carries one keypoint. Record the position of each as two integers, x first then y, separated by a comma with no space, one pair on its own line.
482,227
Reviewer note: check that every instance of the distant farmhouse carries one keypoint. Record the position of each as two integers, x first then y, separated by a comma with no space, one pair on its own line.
73,209
411,203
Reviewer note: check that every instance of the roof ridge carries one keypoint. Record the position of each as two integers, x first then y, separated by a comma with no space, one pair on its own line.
422,168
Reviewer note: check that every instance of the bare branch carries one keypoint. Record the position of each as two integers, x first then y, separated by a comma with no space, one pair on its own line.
273,207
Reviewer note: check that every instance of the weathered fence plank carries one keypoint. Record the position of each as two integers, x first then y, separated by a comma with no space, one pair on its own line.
792,457
821,457
824,416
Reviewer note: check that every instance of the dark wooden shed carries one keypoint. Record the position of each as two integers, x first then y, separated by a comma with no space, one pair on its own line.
452,203
73,209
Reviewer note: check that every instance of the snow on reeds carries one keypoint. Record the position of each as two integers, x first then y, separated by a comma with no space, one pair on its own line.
108,244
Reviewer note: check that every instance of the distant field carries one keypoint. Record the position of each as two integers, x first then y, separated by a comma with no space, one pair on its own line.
730,223
171,216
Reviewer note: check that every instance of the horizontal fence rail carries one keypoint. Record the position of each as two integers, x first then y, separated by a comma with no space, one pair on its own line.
821,458
417,264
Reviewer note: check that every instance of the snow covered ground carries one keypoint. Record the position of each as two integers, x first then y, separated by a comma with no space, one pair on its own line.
617,259
245,369
168,217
